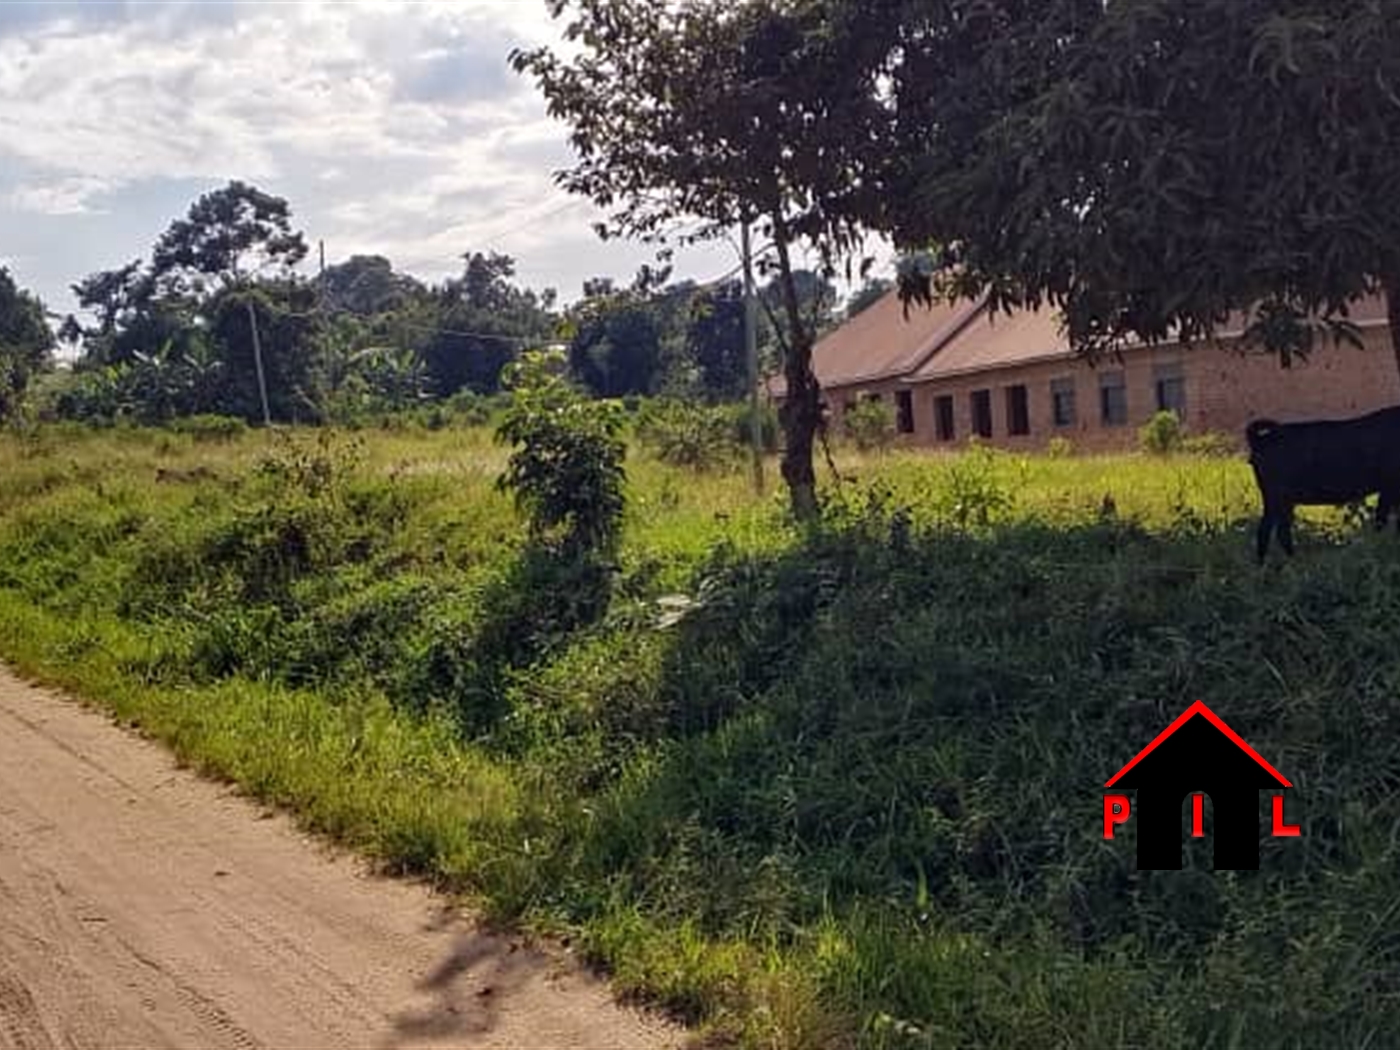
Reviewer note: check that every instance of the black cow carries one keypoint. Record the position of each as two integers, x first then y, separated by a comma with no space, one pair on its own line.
1325,462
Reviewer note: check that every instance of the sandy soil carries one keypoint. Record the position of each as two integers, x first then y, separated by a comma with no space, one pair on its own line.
141,906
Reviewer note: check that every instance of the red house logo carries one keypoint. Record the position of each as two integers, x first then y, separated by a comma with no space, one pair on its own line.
1200,755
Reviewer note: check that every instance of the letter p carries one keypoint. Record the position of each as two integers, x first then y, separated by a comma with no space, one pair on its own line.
1115,811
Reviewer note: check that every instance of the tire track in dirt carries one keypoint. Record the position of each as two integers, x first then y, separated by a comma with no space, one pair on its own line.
20,1023
143,907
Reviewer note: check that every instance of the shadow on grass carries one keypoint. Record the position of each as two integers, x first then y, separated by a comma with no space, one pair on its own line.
910,732
520,619
878,757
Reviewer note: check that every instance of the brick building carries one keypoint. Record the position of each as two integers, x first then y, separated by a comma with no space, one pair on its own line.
954,371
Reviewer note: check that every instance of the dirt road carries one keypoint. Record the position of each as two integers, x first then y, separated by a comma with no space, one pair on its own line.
143,907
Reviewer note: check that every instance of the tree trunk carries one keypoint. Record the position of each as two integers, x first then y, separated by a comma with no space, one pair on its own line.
1391,284
800,414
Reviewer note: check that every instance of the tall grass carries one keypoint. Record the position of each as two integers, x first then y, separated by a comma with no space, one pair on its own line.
833,786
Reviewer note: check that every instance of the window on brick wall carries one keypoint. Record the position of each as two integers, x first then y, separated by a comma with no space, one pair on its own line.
1113,399
1062,408
943,416
982,413
1170,388
904,411
1018,410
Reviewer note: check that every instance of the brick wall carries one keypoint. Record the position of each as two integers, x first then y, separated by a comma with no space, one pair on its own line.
1337,381
1223,391
837,397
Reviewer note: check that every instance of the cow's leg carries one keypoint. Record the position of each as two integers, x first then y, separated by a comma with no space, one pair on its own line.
1266,528
1285,530
1388,501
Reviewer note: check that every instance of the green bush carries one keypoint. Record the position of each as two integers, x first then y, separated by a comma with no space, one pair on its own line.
470,407
317,467
974,493
210,427
870,424
1213,445
1161,434
94,396
687,435
566,468
769,429
1059,448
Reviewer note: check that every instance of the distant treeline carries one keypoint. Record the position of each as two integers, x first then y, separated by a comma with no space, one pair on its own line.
182,334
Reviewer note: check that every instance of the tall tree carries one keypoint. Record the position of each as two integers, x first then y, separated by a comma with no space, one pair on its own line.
230,233
132,316
727,112
233,256
715,340
367,285
616,347
816,302
26,341
484,321
677,373
287,329
158,318
1148,167
485,284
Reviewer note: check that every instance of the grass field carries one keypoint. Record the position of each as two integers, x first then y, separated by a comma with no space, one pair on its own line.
807,788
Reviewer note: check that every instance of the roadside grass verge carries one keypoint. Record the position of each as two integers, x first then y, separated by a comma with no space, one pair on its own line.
836,787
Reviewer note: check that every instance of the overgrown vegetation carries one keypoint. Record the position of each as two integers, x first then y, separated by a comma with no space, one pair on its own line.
870,424
1162,433
827,785
566,470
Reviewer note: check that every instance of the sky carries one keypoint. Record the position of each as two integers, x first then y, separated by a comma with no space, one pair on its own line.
391,128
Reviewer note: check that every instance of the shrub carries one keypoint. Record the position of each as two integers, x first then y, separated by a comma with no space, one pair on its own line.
870,424
974,493
92,396
686,435
1161,434
741,428
210,427
313,468
1059,448
1215,445
470,407
566,471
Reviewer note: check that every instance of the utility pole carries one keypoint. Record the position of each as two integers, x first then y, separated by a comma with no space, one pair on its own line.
751,350
321,284
258,363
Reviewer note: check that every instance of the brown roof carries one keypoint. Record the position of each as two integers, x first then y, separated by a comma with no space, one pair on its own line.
880,344
996,341
1368,310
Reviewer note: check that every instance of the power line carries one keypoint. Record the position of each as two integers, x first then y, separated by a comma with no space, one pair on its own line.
728,275
322,312
565,206
465,335
418,327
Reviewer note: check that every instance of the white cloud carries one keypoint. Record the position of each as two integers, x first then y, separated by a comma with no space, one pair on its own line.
66,196
394,128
